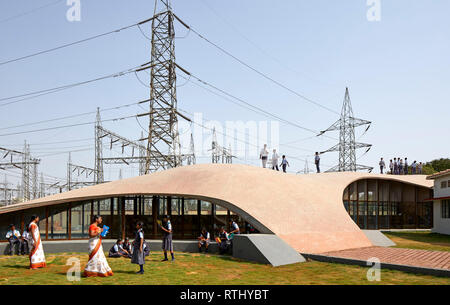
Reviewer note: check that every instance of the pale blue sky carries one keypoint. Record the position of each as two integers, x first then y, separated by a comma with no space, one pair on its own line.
397,71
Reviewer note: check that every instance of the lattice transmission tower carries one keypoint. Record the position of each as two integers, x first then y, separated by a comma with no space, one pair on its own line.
220,154
347,144
99,174
12,159
163,144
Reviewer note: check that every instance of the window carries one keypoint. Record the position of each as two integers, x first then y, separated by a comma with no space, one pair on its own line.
163,206
105,207
206,208
129,207
220,210
443,184
58,222
148,206
176,205
190,207
372,190
77,222
445,209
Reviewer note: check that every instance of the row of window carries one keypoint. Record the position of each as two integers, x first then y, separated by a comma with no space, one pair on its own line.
445,209
390,215
66,221
445,184
376,190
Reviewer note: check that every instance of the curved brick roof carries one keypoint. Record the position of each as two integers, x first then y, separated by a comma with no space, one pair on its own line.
306,211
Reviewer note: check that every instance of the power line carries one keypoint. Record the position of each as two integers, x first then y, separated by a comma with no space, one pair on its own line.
69,116
66,152
50,150
35,94
258,47
52,143
30,11
76,42
254,69
265,113
226,135
45,175
253,107
247,135
65,126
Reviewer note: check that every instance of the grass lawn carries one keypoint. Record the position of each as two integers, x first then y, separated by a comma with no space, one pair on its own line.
202,269
420,240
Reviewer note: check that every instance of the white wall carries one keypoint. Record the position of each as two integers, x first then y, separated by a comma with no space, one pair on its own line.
440,225
441,192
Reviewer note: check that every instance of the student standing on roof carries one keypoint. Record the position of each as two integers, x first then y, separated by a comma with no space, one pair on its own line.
263,155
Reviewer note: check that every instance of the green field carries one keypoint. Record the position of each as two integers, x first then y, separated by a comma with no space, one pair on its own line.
420,240
202,269
223,270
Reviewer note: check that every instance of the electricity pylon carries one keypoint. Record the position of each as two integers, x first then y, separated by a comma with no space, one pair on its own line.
347,145
220,154
163,144
98,174
190,157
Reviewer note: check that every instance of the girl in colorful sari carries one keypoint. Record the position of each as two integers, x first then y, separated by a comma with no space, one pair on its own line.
37,257
97,264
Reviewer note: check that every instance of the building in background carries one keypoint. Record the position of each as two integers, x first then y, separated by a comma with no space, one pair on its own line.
441,201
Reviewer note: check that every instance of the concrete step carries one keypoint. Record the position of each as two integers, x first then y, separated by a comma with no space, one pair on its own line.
266,249
378,238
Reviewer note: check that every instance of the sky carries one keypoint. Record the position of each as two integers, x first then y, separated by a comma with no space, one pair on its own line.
397,71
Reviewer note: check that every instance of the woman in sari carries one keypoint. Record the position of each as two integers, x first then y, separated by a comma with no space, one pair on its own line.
37,257
97,264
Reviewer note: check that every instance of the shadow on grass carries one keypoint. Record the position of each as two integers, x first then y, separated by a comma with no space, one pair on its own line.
64,274
229,258
17,266
125,272
432,238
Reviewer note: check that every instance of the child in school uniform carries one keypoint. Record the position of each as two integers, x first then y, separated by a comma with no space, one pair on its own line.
127,245
138,248
284,163
167,245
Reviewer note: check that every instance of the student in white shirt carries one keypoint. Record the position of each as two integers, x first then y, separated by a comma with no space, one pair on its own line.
413,167
118,251
263,155
13,237
234,228
203,240
24,247
382,165
166,226
275,158
284,163
223,241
